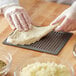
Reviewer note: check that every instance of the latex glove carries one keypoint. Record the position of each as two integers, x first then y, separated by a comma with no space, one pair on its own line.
17,18
67,19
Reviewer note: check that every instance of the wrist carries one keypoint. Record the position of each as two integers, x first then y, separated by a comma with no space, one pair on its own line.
73,7
7,7
4,7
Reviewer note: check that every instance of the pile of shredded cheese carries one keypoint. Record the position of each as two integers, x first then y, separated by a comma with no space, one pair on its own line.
45,69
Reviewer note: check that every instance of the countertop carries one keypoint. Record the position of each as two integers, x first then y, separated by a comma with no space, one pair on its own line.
41,13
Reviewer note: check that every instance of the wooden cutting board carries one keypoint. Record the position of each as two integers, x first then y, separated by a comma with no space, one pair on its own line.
41,13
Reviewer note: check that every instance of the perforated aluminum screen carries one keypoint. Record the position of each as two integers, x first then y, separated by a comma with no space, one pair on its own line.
52,43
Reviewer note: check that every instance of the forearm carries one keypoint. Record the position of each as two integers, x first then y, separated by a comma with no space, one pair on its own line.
73,6
6,3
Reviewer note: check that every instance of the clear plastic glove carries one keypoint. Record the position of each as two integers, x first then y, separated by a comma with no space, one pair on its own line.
17,18
67,19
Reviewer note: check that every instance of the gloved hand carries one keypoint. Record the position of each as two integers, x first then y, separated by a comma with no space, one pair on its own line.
67,19
17,17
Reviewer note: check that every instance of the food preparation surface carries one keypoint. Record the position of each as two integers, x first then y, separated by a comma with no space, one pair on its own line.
51,43
41,13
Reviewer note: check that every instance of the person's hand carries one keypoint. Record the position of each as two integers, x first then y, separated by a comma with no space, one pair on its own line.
17,18
67,19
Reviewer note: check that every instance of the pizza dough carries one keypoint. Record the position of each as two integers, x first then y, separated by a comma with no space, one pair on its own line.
31,36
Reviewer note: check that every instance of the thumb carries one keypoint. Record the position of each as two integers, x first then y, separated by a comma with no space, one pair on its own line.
63,25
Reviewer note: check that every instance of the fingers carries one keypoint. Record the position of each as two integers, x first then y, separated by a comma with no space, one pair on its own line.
22,22
66,20
64,26
27,19
58,19
9,18
16,22
18,18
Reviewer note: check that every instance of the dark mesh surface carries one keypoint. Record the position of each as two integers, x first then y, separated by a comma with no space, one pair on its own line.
52,43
